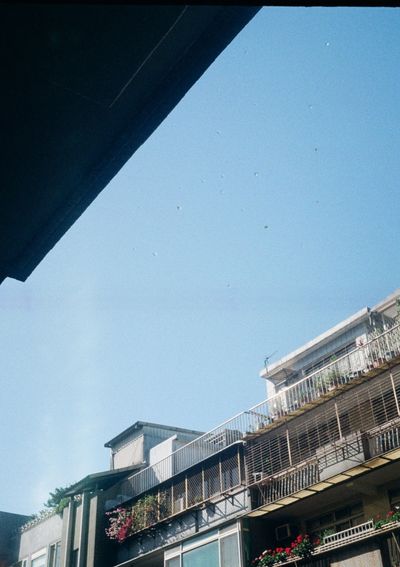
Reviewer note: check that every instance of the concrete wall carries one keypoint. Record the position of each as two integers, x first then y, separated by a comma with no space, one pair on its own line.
130,453
135,448
329,348
77,526
41,535
366,555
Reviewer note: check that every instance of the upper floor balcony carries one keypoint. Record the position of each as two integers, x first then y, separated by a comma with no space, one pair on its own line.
298,453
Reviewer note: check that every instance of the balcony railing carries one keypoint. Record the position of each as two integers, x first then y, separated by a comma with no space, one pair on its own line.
365,359
346,537
294,479
314,388
210,482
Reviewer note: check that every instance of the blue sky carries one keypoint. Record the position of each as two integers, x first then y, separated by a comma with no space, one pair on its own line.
261,212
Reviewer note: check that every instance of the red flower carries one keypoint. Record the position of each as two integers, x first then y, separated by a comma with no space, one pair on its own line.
288,551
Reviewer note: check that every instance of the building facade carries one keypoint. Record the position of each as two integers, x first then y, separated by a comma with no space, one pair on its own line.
310,476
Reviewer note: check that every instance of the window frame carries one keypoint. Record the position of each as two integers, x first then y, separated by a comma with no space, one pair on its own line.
43,552
218,534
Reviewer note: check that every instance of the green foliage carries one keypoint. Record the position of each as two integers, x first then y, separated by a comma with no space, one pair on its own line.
58,500
391,516
145,512
325,533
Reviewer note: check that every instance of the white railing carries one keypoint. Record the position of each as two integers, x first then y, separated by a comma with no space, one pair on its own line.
375,353
346,536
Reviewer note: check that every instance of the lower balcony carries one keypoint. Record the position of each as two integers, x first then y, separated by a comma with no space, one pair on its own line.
310,551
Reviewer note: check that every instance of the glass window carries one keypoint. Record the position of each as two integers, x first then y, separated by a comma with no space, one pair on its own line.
201,556
215,548
338,520
55,555
230,551
39,561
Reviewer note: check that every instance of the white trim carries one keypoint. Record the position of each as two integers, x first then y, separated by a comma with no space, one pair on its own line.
221,533
317,342
39,553
171,553
200,543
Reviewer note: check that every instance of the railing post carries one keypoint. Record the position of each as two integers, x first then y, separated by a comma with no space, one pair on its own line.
288,446
239,465
186,493
338,422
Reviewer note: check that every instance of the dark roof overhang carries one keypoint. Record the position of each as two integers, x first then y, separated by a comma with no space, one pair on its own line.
101,480
84,85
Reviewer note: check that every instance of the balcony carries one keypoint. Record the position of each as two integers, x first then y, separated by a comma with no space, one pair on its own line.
353,368
346,537
209,483
328,442
364,362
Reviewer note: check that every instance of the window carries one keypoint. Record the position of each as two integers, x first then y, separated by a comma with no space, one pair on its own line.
219,548
229,551
394,498
337,520
55,555
204,555
38,559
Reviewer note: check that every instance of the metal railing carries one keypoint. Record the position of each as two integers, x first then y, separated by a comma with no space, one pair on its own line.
376,352
384,438
222,475
273,488
372,355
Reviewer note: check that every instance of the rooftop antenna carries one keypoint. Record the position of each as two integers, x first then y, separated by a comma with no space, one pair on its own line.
266,361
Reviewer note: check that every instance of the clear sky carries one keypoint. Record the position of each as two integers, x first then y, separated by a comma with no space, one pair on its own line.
263,210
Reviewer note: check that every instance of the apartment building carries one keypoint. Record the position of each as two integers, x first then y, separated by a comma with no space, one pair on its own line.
309,476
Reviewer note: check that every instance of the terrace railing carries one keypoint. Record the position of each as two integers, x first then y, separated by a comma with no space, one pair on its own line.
346,536
316,387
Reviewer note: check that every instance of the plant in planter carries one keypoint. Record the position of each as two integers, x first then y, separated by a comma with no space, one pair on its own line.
302,546
391,516
325,533
281,554
124,522
266,559
121,524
